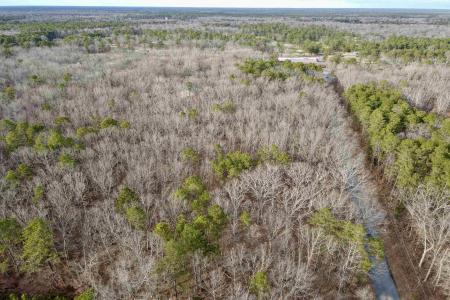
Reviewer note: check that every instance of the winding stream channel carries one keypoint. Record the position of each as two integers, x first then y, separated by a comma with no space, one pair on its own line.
382,280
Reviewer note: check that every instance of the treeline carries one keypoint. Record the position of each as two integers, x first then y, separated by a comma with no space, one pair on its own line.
274,69
413,144
39,34
268,37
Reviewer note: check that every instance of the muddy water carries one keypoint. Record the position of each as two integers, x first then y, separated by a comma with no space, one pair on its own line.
382,280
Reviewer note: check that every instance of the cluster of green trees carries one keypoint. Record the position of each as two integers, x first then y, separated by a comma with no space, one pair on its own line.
88,294
227,165
348,232
408,49
18,134
415,142
38,34
321,39
197,231
127,203
276,70
26,249
313,39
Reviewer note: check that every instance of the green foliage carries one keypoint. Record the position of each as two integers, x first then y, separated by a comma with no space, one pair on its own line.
26,297
38,193
198,234
194,192
193,113
124,124
126,199
83,131
191,155
7,51
260,284
88,294
246,218
231,164
376,247
189,86
163,230
276,70
275,155
344,231
108,122
19,134
56,140
22,173
386,116
137,217
9,94
67,160
38,245
35,79
61,120
10,233
46,107
225,107
67,77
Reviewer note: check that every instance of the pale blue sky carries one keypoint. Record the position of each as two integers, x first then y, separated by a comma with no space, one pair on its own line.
442,4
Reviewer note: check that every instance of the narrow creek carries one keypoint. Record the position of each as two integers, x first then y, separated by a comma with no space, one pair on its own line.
380,274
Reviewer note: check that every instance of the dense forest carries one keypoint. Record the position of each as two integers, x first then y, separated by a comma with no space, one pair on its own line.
154,155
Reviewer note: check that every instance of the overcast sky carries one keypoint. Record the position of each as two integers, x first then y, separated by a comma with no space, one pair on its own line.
445,4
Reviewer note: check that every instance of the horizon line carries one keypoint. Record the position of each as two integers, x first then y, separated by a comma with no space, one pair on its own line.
232,7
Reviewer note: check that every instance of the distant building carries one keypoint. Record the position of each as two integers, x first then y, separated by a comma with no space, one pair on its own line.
304,59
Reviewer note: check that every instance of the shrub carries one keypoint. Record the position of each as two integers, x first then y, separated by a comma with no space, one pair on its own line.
35,79
195,193
56,140
20,134
245,218
137,217
126,199
38,245
274,154
38,193
67,77
191,155
39,144
22,172
193,113
344,231
10,232
108,122
260,284
46,107
67,160
9,93
88,294
376,247
217,220
225,107
61,120
83,131
124,124
231,164
163,230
